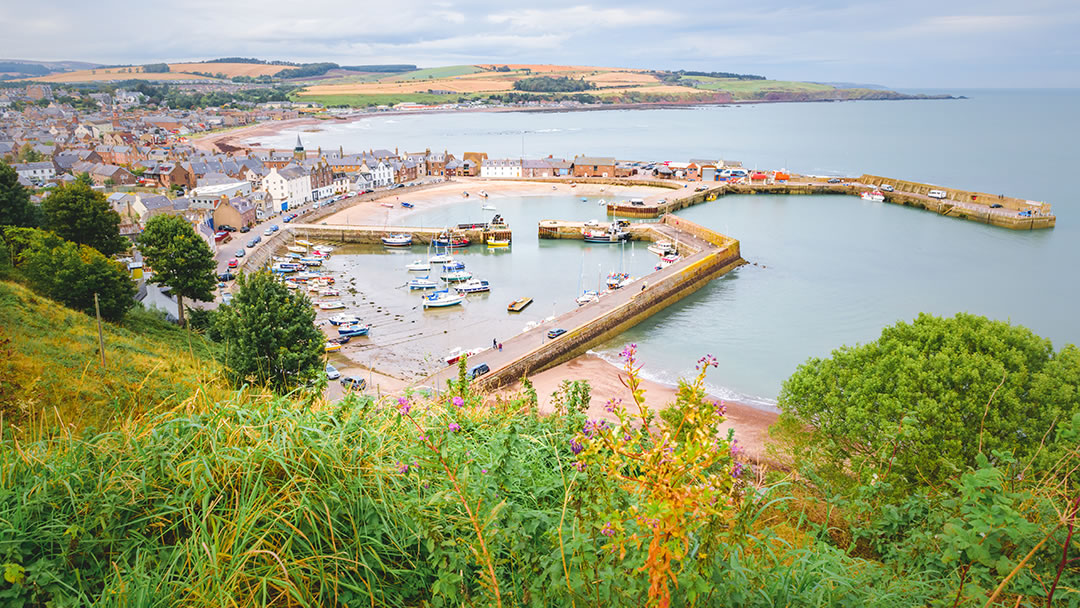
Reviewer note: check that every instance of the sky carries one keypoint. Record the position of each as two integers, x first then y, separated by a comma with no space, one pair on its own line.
910,44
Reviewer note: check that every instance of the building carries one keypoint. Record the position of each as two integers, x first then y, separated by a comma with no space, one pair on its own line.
500,168
536,168
594,166
289,187
235,212
36,171
206,197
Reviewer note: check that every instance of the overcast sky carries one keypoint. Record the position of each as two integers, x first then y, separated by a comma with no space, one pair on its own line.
915,43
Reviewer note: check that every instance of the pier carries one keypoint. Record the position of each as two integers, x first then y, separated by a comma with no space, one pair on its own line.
372,235
707,255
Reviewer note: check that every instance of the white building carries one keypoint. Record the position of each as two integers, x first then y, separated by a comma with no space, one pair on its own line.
36,171
206,197
382,174
498,167
289,187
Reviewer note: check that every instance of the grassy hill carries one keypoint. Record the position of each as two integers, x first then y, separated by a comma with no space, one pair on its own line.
50,367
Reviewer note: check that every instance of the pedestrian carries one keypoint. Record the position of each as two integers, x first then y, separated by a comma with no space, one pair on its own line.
494,343
644,284
500,347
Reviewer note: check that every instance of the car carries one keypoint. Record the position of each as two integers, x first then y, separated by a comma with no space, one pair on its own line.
938,194
332,373
226,228
274,228
252,243
233,263
287,219
834,180
996,206
268,232
226,298
887,188
369,191
226,276
700,188
245,229
239,253
555,333
257,239
352,383
478,370
396,186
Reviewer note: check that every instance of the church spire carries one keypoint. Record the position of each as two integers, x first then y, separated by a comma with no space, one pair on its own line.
298,151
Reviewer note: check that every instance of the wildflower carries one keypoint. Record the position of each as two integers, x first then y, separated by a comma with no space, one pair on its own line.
483,470
737,470
612,404
575,447
454,427
626,437
721,407
402,468
405,407
458,402
579,465
608,530
629,352
423,437
707,361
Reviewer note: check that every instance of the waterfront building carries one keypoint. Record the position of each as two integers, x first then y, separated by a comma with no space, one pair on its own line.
500,167
289,187
594,166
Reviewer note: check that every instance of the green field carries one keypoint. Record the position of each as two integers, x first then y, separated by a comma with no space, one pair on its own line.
751,87
449,71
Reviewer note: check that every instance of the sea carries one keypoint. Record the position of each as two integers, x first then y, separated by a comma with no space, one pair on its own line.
825,271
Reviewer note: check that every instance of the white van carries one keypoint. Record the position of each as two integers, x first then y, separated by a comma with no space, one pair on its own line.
936,194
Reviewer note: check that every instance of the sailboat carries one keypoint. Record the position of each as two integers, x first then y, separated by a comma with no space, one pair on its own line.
422,283
443,298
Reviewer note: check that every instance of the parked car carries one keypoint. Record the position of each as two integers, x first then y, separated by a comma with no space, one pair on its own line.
226,298
245,229
996,206
332,373
478,370
226,228
887,187
834,180
252,243
287,219
555,333
239,253
268,232
352,383
274,227
233,263
396,186
226,276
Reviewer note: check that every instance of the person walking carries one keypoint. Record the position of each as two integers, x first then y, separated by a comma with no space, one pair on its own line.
494,343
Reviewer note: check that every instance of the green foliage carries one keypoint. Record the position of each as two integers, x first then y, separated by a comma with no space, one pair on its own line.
918,405
80,214
27,153
179,257
306,70
69,273
557,84
155,68
15,206
270,337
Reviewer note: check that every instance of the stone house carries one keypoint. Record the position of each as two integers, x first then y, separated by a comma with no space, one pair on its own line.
594,166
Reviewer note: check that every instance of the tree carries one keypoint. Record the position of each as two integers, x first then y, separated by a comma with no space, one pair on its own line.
27,154
15,206
270,335
921,402
70,273
180,258
80,214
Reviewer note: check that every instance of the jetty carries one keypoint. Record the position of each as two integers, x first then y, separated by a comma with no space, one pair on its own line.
706,256
350,233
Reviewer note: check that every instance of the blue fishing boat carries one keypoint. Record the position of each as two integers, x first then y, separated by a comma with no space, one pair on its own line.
422,283
354,330
408,205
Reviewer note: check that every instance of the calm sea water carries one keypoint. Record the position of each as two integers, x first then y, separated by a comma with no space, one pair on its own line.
831,270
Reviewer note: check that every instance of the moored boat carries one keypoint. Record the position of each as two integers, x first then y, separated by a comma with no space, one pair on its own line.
311,261
456,354
442,298
408,205
876,196
418,265
332,346
344,319
472,286
453,242
453,265
488,207
484,193
519,304
328,305
498,243
456,276
303,242
387,205
586,297
397,240
617,280
329,293
354,330
284,267
422,283
297,249
661,248
441,258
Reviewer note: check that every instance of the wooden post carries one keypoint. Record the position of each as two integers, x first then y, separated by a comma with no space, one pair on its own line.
100,334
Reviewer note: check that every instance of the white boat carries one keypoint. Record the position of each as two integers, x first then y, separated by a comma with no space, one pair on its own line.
618,280
397,240
661,248
344,319
456,276
297,249
459,352
472,286
488,207
484,193
602,202
587,296
422,283
876,196
441,299
387,205
324,248
667,260
329,293
441,258
418,265
330,305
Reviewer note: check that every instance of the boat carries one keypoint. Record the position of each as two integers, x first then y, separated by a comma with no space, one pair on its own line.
294,256
340,339
876,196
311,261
418,265
616,280
661,248
332,346
605,236
303,242
323,248
602,202
443,298
667,260
453,265
488,207
440,258
587,296
284,267
456,354
484,193
344,319
354,330
519,304
387,205
297,249
498,243
408,205
465,194
453,242
422,283
472,286
326,305
329,293
456,276
397,240
583,199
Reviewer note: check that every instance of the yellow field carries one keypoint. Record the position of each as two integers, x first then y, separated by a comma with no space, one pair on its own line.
229,69
102,74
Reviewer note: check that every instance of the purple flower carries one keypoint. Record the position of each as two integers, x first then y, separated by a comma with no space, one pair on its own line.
423,437
629,352
737,470
608,530
405,407
721,407
707,361
627,437
458,402
483,470
575,447
612,404
402,468
454,427
580,466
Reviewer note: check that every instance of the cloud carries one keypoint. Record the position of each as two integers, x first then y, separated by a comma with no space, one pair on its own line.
582,17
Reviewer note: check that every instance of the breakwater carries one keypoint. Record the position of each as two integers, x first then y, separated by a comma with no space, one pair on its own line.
372,235
709,255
